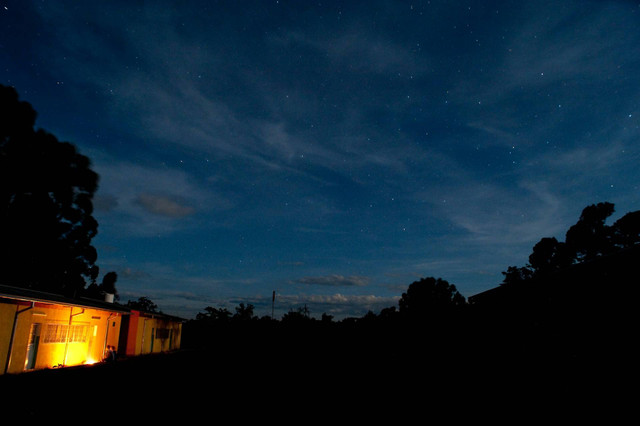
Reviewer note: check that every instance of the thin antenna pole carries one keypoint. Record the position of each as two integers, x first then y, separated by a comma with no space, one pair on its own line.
273,300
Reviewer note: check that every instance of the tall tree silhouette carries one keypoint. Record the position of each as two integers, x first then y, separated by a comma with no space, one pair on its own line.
46,190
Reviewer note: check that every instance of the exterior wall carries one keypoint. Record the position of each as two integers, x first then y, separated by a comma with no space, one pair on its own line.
166,335
7,314
50,335
38,335
148,333
128,335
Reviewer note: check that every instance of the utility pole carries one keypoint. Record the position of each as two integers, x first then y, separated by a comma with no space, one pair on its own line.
273,300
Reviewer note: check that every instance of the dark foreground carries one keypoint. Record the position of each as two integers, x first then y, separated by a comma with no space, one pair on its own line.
354,380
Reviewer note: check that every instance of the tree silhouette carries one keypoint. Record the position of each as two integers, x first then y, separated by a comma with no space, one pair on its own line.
214,314
515,275
143,304
108,285
299,315
590,237
429,296
46,190
626,230
326,318
549,255
109,282
244,312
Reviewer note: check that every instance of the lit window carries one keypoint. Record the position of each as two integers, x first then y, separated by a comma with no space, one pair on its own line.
62,333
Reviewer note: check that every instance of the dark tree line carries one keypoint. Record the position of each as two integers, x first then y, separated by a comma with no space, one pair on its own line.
426,301
46,208
297,336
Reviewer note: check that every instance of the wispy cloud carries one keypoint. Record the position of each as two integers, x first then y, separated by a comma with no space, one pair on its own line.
148,200
163,205
499,215
359,51
182,92
569,44
550,74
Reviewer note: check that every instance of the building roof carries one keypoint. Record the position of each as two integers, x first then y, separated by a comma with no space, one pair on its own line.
157,315
29,295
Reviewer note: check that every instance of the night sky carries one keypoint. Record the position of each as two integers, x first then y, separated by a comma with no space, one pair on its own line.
334,152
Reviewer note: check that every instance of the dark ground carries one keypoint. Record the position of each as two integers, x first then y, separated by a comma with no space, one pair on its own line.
351,379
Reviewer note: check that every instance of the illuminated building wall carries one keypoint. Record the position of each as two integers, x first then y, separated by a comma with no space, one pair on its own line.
40,335
36,333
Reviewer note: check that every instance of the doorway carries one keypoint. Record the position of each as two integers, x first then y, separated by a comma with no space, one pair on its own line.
32,348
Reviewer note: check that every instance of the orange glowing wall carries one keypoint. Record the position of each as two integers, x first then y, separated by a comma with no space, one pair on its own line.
50,335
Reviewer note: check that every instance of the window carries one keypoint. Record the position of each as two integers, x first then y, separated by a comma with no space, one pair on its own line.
78,334
63,333
162,333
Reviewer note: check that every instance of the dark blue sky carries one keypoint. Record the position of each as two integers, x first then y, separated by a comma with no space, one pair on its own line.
334,152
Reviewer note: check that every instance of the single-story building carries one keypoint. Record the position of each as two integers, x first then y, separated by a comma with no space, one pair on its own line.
41,330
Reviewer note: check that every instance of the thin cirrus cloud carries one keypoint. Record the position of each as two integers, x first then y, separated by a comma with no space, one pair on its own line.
177,90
